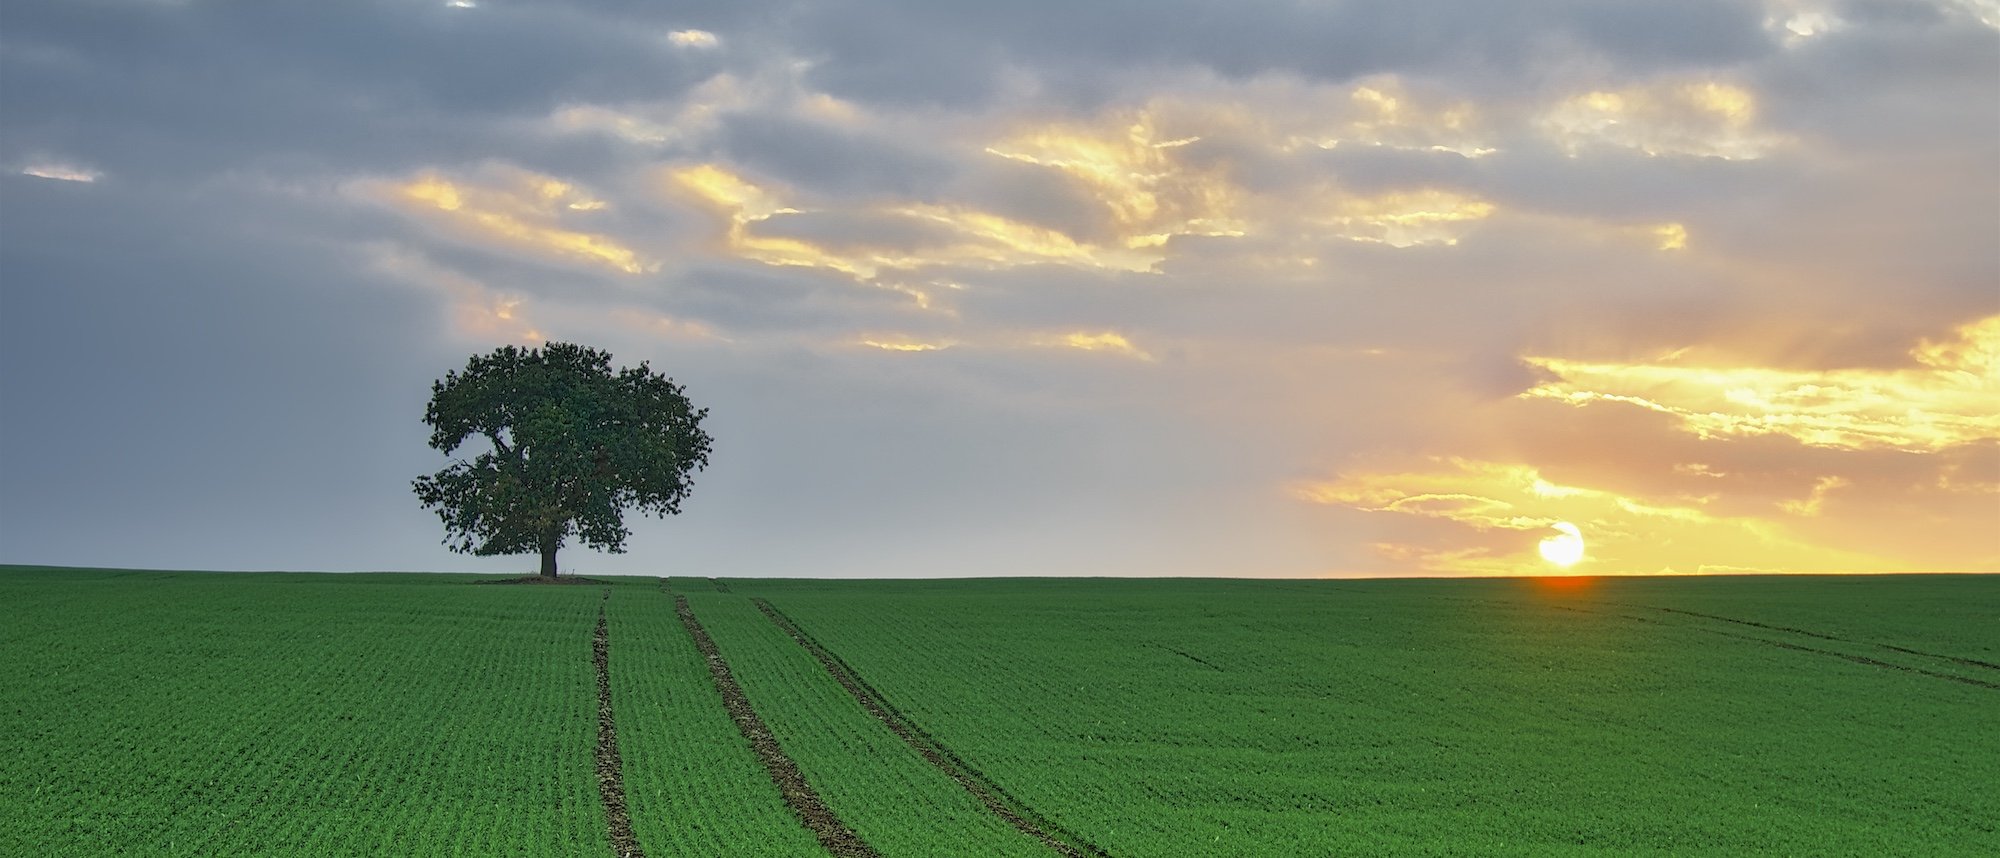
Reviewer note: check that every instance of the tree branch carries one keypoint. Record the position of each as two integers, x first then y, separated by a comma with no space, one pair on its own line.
501,446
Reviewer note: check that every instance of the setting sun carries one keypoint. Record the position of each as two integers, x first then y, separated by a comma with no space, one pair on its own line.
1565,548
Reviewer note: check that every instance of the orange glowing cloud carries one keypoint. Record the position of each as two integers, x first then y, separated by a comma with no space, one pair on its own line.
1097,341
899,344
509,208
1701,117
755,215
1664,467
1382,111
1948,398
1405,218
1129,166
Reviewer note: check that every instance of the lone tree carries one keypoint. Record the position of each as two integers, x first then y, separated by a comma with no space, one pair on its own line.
573,444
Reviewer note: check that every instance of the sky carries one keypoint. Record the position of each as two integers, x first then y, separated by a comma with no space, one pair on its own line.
1285,289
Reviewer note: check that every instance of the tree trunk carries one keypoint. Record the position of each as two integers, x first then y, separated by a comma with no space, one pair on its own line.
549,558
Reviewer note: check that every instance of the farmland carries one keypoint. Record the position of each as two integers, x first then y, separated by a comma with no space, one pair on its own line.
158,713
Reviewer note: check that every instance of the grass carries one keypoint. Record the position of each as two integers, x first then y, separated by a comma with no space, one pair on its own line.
251,714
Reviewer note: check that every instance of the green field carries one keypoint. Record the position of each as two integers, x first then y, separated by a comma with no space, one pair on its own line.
155,713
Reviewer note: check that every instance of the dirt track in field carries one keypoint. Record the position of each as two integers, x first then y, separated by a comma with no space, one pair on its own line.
989,794
610,769
806,803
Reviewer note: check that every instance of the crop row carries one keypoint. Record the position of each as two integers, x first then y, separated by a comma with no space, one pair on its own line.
1410,717
296,715
163,714
201,714
878,785
692,785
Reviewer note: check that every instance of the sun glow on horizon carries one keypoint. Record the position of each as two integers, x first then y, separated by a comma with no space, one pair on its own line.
1457,516
1564,549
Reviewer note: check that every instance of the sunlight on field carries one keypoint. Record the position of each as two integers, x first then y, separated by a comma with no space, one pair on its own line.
1484,518
1565,585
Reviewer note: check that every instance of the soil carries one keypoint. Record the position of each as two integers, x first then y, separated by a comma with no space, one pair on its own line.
610,768
989,794
806,803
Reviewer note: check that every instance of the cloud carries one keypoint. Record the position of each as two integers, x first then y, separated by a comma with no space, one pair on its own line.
818,149
509,208
1108,342
693,39
1946,400
1751,469
1065,51
1700,118
905,345
60,171
762,223
1260,287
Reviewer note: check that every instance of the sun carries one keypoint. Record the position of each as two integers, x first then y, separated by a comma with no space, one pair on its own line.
1565,548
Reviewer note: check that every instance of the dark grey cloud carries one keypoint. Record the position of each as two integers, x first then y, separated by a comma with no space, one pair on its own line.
1910,87
856,232
1057,297
1033,194
1627,185
156,87
752,298
818,159
945,53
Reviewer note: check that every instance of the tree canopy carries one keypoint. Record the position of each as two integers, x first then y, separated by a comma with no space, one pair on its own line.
572,444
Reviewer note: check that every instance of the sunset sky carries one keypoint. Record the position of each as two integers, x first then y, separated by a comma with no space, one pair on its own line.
1102,288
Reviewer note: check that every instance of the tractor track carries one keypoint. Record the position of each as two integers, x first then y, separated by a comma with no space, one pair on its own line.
1968,662
1191,657
811,810
995,799
610,768
1857,659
